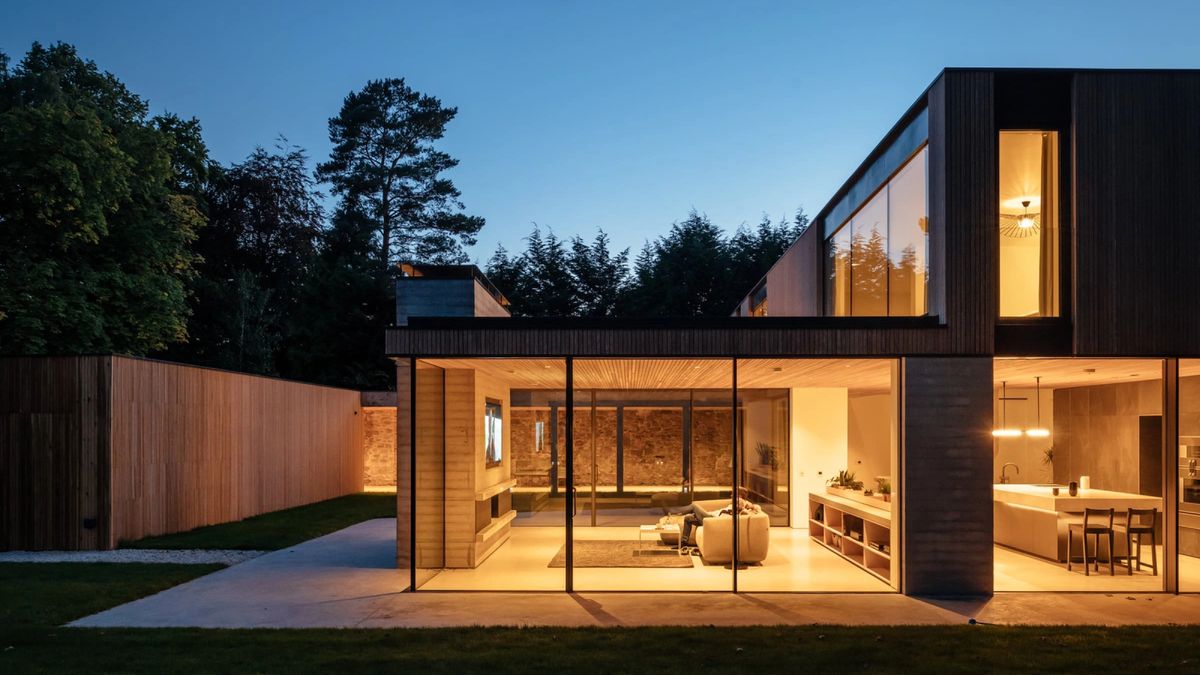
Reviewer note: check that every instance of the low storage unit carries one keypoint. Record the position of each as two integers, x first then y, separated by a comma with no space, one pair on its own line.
858,532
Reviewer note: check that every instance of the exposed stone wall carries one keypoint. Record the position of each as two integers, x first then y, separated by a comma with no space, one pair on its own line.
379,445
653,446
711,457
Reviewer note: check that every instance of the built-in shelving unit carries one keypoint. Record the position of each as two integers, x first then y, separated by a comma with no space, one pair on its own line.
854,531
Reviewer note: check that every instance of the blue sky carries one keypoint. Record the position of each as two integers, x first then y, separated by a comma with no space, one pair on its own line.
614,115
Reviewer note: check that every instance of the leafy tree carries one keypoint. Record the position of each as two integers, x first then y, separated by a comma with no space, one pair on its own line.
95,225
385,167
265,218
550,279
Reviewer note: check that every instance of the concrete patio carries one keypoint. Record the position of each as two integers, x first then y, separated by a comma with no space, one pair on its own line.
348,579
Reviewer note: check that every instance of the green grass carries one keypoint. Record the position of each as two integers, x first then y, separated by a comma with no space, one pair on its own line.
279,529
36,598
50,594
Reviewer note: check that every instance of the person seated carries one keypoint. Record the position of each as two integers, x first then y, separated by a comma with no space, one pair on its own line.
694,514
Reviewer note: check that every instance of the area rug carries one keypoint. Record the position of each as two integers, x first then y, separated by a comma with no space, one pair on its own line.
590,553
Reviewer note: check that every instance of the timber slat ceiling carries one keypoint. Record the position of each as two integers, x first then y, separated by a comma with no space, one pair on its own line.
865,375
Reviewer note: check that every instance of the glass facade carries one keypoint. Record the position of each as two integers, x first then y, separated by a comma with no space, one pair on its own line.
621,474
1028,224
876,262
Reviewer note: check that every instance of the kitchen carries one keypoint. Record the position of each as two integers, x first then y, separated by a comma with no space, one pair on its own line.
1071,435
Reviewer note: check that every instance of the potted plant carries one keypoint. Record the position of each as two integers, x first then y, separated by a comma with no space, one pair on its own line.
844,482
1048,460
885,488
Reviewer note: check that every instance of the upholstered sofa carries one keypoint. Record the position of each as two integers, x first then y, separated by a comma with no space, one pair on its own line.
715,538
716,545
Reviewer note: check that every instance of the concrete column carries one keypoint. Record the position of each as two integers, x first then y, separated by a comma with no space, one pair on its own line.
946,475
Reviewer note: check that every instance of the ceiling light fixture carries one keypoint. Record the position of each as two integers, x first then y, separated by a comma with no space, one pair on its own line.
1005,431
1020,226
1039,431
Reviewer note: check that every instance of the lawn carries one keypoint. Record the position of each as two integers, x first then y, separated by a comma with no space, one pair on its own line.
36,598
279,529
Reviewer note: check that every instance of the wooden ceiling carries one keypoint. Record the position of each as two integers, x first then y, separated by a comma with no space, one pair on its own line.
1059,373
858,375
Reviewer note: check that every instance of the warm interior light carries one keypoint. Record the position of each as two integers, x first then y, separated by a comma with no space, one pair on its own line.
1025,222
1006,433
1037,433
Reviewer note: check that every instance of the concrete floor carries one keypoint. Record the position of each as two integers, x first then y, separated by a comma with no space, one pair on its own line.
348,579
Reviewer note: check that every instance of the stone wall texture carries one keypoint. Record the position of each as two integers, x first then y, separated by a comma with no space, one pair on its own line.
379,441
652,442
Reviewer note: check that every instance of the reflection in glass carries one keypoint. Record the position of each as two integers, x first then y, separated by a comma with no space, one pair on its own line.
876,262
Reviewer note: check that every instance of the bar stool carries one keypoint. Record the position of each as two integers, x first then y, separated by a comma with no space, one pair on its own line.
1140,528
1095,522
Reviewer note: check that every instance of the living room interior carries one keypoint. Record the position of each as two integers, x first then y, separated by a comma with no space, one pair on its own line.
652,439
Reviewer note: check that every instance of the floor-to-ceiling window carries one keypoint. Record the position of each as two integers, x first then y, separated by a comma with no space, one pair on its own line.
1076,438
489,481
1187,456
653,461
818,459
1028,224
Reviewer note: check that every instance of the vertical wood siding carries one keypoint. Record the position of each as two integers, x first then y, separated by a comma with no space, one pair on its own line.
1137,215
145,447
54,447
194,446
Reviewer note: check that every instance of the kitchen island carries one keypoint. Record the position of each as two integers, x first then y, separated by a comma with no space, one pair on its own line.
1030,518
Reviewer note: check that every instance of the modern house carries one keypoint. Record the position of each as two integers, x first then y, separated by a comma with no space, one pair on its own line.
993,325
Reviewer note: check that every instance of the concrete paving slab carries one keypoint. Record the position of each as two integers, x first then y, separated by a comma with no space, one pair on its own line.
348,580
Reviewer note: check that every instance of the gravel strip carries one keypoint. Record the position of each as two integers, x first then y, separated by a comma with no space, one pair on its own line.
133,555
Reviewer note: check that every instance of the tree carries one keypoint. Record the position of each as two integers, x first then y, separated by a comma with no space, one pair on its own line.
684,273
95,225
600,278
265,218
385,167
337,329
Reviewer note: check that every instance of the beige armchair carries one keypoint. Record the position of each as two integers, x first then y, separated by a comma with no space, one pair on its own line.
715,538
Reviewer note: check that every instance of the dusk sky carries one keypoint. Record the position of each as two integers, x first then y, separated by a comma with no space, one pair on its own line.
577,116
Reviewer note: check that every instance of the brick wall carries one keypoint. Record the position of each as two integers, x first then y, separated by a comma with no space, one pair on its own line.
379,446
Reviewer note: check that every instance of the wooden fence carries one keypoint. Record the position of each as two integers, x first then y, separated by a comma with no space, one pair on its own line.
99,449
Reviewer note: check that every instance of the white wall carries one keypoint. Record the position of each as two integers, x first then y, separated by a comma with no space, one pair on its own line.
819,443
871,437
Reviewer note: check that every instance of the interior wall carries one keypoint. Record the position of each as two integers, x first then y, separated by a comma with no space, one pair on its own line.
1027,453
820,442
870,437
488,387
1096,433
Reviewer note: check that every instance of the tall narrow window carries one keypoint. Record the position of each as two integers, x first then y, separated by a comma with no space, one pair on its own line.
869,259
1028,227
908,234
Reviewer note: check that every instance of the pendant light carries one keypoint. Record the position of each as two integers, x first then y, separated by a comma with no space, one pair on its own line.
1039,431
1005,431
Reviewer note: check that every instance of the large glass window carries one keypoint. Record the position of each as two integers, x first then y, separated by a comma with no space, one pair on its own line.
1028,229
908,230
876,261
1078,439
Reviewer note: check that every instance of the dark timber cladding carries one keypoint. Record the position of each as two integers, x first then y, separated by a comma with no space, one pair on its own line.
56,497
1137,215
947,476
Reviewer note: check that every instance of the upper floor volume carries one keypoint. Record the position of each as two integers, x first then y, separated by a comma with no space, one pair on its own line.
1031,210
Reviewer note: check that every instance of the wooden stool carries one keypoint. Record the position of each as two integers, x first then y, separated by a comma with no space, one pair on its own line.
1095,522
1136,525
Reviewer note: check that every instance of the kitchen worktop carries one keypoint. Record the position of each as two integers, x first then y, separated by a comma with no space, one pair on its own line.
1041,497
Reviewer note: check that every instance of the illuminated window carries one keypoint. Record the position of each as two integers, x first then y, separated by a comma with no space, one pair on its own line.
1028,228
876,262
